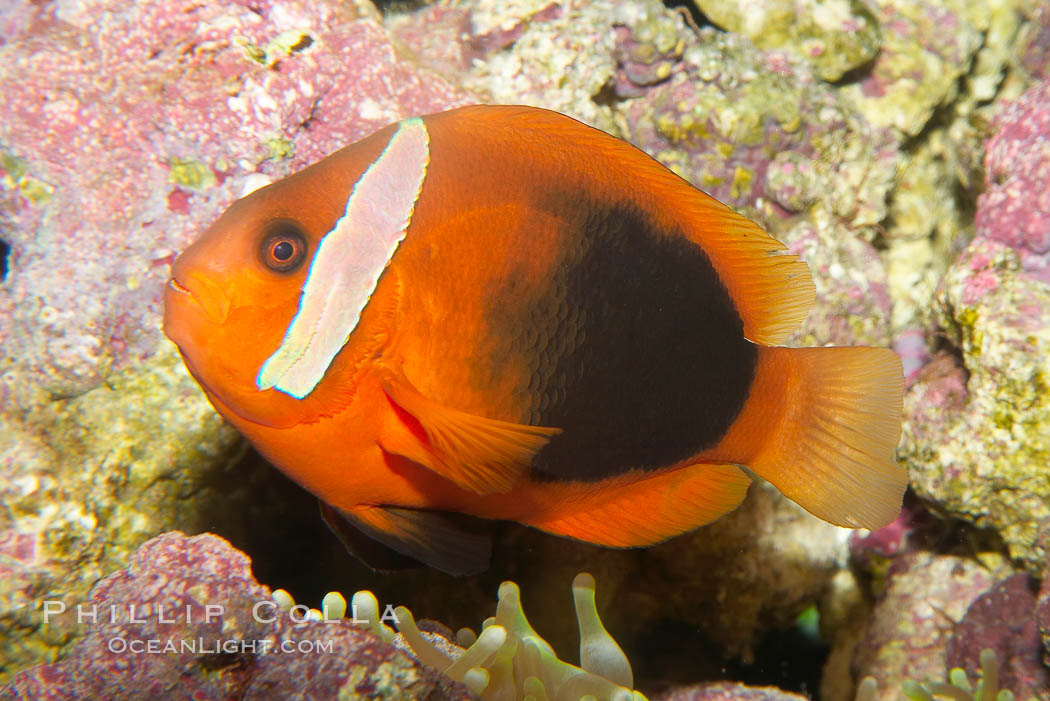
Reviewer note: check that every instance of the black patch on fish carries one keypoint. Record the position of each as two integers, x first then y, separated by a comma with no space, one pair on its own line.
642,360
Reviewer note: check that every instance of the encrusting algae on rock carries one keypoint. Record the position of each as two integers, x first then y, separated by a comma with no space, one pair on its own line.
977,424
887,154
834,36
958,687
218,633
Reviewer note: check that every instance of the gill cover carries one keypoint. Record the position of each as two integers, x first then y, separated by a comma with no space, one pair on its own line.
348,263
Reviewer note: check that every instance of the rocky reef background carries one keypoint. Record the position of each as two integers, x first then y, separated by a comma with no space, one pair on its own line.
901,147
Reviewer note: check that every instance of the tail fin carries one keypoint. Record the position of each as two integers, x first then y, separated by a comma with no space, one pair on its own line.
832,448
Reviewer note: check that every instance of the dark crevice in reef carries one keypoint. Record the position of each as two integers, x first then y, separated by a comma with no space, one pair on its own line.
278,525
5,252
689,7
675,653
947,359
791,659
397,7
606,96
856,74
275,522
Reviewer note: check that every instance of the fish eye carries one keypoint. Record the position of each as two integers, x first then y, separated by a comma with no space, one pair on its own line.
283,247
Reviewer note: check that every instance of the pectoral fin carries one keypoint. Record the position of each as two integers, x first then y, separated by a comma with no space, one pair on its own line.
453,543
482,455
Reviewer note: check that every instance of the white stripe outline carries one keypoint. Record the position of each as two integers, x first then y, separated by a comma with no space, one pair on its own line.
349,262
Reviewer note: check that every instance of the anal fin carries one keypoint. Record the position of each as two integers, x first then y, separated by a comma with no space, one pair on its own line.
479,454
634,511
453,543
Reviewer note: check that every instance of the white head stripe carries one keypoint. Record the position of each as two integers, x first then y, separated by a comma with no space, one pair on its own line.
351,257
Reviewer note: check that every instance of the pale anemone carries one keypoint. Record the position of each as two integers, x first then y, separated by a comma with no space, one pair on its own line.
508,661
958,688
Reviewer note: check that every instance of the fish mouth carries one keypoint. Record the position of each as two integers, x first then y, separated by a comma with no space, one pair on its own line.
178,288
203,293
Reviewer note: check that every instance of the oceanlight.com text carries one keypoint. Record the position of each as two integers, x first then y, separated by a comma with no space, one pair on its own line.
202,646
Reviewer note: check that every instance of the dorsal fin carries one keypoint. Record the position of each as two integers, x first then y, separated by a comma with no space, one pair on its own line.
772,289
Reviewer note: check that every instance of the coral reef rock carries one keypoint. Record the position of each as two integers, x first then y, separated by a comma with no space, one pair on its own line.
128,126
1035,42
976,428
835,36
1042,611
757,130
916,616
1003,620
1015,207
214,631
926,48
728,691
88,478
976,438
762,565
931,205
852,288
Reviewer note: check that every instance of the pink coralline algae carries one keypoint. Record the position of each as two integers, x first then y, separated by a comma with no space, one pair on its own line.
976,419
914,619
911,345
1015,208
985,279
1002,619
128,126
914,530
198,595
942,613
1035,54
728,691
1042,611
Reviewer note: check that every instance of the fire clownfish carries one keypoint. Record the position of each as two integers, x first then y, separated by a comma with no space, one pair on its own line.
500,313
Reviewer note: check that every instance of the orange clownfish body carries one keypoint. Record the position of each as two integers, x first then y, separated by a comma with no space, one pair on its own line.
502,313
